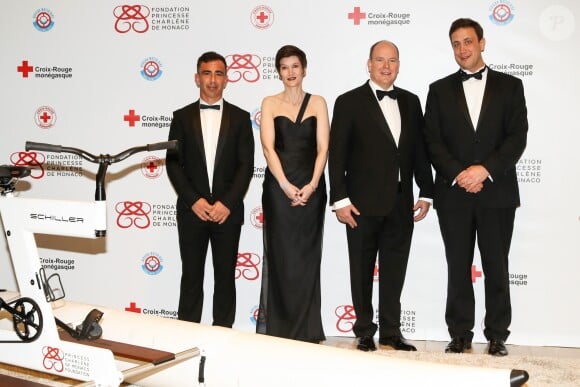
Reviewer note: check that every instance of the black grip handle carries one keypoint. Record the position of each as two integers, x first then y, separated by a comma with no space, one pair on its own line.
39,146
169,145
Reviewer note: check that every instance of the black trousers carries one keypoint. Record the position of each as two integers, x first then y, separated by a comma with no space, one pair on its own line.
194,239
390,236
493,228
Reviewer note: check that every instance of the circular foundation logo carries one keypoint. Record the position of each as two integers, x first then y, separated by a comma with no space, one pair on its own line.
151,69
254,314
45,117
256,118
152,263
502,12
43,20
262,17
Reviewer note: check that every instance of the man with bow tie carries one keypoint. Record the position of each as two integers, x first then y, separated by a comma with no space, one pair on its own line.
376,148
476,129
211,172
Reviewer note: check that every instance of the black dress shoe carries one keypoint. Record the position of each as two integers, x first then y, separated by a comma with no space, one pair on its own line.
366,344
518,378
497,348
398,343
457,345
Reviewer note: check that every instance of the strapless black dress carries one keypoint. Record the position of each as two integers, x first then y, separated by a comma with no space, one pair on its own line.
290,295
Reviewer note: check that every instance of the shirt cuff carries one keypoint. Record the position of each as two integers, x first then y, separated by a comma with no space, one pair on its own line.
341,204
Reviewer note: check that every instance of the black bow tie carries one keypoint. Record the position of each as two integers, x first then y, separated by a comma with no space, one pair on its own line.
391,93
478,75
202,106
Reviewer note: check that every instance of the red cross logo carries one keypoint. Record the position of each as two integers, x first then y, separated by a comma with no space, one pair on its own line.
131,118
45,117
262,17
152,166
357,15
257,217
24,68
260,217
475,273
133,308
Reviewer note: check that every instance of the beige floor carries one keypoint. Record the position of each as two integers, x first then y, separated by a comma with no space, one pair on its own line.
439,346
350,343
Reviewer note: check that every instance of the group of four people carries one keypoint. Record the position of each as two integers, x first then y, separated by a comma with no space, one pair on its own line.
473,132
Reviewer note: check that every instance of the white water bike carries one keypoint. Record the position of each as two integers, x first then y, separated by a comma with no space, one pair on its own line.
31,337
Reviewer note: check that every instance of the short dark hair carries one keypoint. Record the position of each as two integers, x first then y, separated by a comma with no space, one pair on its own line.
379,42
288,51
466,23
210,56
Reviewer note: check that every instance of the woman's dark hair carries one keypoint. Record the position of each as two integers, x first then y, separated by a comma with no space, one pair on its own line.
288,51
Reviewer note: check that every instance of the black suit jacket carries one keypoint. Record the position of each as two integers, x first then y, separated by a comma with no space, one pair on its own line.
497,143
234,160
364,160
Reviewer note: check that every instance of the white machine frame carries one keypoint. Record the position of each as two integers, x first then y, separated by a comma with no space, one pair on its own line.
37,345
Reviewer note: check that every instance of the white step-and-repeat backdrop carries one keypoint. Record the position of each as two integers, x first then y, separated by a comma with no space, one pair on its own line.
106,75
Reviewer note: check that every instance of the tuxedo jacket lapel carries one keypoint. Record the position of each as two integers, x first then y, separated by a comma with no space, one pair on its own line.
223,134
403,103
488,94
490,86
198,136
461,101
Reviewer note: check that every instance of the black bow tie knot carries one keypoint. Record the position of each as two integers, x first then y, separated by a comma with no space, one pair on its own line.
478,75
391,93
203,106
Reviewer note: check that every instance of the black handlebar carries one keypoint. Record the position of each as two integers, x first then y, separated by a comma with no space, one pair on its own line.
42,147
101,159
169,145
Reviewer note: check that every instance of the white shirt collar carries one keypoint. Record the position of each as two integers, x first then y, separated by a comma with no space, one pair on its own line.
478,70
376,87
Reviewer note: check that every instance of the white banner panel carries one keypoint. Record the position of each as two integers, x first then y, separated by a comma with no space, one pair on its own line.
104,76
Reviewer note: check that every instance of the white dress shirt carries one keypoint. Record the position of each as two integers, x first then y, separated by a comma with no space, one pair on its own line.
390,109
474,89
210,128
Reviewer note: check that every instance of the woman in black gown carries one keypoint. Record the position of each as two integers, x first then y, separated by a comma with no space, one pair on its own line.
294,134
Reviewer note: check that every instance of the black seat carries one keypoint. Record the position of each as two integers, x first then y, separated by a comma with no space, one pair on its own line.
9,172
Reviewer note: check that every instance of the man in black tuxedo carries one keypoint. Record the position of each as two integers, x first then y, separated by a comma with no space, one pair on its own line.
476,129
211,172
376,147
